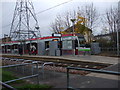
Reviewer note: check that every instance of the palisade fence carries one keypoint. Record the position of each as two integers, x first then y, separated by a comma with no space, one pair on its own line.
109,50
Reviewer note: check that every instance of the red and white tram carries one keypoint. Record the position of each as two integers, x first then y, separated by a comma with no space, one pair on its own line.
67,44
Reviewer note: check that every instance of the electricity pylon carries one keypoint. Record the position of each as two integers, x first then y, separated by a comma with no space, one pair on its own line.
24,24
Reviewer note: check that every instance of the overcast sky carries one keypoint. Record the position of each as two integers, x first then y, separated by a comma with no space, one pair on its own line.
45,18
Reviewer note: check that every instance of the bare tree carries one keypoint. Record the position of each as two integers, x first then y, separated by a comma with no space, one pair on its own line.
62,21
57,24
54,28
89,12
111,19
66,17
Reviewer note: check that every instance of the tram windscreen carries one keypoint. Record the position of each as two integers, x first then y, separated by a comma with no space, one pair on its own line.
46,44
67,44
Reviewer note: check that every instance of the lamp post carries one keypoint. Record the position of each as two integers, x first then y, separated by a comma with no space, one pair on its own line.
73,22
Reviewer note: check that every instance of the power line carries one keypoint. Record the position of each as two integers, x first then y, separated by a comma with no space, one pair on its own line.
44,10
54,6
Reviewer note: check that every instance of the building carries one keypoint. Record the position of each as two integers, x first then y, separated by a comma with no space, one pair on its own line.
80,29
111,37
103,36
6,39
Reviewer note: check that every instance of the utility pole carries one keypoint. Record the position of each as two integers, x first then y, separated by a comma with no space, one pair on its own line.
118,42
24,24
118,30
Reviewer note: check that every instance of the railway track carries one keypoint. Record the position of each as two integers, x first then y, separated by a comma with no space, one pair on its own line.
61,64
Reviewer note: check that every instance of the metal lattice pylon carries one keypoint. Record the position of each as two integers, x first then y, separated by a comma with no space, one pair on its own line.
24,24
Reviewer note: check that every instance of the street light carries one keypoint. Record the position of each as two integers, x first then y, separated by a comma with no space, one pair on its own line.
73,21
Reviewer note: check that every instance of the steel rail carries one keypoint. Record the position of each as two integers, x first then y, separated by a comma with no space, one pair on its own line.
15,65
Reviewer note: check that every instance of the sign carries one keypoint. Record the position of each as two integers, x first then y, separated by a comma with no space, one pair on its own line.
69,38
56,35
83,49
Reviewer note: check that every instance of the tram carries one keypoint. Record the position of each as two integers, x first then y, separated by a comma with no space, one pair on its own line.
66,44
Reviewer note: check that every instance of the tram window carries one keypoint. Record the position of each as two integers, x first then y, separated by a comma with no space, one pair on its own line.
76,43
16,46
28,46
8,46
60,44
46,44
82,43
35,44
67,44
12,46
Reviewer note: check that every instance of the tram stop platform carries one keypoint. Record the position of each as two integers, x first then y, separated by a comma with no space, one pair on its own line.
87,58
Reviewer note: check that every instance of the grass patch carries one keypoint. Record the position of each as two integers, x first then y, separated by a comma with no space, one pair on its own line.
7,75
20,84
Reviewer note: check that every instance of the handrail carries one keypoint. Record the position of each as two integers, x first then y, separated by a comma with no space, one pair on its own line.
95,70
33,75
14,65
91,70
7,86
46,63
21,78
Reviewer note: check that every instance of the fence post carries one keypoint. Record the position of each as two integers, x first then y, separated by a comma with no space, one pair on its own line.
37,73
32,69
68,78
7,86
23,69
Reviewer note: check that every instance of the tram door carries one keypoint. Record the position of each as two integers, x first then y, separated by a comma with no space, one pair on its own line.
41,48
75,46
54,48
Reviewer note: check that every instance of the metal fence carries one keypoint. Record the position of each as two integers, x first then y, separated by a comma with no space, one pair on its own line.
109,50
7,86
30,68
91,70
24,64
